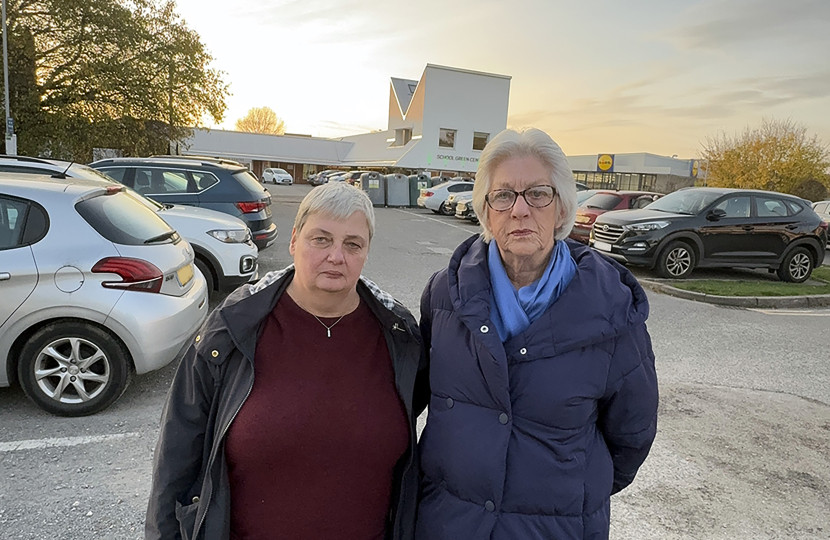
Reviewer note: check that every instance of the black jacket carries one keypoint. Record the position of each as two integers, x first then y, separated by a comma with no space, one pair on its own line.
190,496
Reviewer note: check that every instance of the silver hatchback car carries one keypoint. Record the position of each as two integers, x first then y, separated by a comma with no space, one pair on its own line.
95,286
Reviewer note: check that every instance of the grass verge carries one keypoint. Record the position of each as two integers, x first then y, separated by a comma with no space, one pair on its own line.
760,288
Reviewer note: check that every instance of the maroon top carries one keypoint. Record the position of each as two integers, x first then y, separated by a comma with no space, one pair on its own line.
312,451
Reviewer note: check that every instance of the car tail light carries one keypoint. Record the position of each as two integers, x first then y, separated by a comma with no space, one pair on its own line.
251,207
428,194
136,274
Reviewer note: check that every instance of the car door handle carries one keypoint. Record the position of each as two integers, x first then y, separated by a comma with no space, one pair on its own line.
4,276
749,228
791,227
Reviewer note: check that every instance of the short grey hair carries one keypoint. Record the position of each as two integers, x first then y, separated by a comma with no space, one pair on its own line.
527,142
337,200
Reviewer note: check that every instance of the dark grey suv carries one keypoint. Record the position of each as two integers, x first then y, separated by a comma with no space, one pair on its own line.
225,186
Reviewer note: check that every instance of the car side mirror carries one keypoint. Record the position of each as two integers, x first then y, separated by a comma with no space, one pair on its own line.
715,214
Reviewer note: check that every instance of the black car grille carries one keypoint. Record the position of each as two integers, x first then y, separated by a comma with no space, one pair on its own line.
607,233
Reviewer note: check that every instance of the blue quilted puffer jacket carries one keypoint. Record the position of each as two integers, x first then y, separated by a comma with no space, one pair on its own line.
529,439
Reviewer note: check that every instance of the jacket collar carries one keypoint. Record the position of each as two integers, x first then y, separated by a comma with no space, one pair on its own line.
244,310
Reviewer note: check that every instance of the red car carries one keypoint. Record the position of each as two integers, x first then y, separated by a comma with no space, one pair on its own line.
605,201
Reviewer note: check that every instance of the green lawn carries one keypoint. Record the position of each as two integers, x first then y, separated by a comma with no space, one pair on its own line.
760,288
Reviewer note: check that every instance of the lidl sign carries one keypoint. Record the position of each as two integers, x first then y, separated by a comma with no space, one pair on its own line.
605,163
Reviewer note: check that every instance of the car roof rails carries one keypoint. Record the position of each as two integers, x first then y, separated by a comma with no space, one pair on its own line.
26,159
220,161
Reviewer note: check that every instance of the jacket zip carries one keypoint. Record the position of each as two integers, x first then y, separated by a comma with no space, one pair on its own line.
216,444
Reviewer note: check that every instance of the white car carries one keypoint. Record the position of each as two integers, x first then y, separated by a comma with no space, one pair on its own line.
277,176
95,287
435,197
222,243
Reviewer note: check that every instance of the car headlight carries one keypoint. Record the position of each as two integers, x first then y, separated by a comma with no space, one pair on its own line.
582,219
231,236
645,227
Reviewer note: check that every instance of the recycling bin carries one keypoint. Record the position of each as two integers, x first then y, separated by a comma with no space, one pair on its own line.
397,190
417,182
374,184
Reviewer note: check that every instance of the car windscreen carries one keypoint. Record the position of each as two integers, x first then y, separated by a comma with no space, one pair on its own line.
88,173
603,201
248,181
278,171
685,202
122,219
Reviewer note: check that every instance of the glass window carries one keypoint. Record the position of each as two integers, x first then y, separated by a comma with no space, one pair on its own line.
480,140
122,219
116,174
684,202
248,181
603,201
159,181
446,138
821,208
204,180
770,207
735,207
11,222
796,208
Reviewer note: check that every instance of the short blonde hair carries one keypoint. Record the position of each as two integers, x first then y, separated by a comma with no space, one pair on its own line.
337,200
527,142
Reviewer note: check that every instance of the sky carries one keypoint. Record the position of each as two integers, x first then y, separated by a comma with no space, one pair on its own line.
599,76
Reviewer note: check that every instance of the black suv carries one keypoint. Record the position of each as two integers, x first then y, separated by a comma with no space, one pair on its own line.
225,186
716,227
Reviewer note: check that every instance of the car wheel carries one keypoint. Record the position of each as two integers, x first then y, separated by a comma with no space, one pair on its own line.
797,266
443,209
204,268
676,261
73,368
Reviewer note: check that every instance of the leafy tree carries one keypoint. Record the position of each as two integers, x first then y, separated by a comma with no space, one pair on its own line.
261,120
777,156
125,74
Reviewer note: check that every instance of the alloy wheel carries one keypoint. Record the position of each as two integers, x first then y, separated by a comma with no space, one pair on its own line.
799,266
678,261
72,370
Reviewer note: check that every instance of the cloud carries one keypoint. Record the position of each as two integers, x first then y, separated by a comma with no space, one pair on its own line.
723,23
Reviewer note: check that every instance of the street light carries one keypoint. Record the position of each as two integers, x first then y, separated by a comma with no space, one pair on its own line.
11,138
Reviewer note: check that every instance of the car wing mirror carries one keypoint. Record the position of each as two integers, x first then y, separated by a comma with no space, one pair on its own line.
715,214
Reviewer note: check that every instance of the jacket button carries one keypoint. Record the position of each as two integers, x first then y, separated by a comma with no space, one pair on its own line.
503,418
523,351
489,506
214,353
450,403
198,339
485,329
195,499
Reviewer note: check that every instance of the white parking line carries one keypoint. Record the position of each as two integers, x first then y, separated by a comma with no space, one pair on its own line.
793,312
38,444
442,222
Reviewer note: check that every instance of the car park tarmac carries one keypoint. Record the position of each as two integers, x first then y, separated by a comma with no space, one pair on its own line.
743,432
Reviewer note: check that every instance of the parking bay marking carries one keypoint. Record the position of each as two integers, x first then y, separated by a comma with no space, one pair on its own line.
59,442
436,220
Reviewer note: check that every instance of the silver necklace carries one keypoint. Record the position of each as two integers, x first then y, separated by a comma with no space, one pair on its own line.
328,328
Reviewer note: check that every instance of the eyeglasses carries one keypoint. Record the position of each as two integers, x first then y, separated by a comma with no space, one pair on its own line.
535,196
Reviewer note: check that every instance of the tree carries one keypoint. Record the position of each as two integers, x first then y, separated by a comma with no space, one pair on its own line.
125,74
261,120
777,156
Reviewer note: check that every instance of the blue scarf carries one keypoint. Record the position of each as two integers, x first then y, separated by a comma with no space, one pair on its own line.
513,311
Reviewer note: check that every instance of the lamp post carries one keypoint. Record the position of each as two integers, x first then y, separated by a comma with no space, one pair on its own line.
11,138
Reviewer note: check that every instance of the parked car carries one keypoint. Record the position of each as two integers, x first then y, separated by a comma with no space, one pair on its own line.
716,227
95,287
277,176
321,177
224,250
822,208
453,200
224,186
352,176
434,198
463,204
603,201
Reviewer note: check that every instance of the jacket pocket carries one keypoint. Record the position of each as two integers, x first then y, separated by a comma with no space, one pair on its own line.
186,516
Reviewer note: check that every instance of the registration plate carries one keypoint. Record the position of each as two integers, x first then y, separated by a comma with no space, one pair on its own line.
602,246
185,274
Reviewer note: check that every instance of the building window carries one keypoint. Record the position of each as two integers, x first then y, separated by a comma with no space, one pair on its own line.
446,138
480,140
402,136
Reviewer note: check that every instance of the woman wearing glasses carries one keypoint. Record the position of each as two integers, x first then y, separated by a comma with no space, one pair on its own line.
543,388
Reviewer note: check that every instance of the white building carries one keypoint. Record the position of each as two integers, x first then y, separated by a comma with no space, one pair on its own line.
438,124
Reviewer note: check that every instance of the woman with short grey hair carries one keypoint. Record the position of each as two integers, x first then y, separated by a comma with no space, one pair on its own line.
293,414
543,387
